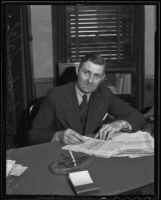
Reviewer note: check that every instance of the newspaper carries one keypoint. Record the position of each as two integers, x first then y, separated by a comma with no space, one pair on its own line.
136,144
122,144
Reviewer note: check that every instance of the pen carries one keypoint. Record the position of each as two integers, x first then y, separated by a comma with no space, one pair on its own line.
105,117
73,158
97,137
108,139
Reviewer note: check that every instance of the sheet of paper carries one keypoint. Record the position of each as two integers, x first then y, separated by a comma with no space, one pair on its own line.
122,144
95,147
136,144
18,169
9,165
133,137
12,168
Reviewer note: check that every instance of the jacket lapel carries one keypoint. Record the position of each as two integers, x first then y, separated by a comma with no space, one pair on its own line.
71,109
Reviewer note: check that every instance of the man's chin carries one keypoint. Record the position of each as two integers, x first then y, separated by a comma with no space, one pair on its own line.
88,90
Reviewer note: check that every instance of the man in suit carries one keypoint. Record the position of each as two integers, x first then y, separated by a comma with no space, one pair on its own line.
61,118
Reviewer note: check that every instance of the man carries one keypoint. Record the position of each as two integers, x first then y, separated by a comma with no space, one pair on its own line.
60,118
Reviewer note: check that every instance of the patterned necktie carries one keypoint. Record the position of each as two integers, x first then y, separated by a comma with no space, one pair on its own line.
83,112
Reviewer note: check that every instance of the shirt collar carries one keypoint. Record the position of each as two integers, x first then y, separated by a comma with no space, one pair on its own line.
80,94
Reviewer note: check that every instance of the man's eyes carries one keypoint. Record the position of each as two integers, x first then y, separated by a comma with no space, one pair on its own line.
88,73
97,76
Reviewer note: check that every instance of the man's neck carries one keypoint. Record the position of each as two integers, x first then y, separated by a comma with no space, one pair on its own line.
80,94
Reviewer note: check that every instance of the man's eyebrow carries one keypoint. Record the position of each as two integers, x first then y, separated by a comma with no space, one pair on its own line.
97,74
87,70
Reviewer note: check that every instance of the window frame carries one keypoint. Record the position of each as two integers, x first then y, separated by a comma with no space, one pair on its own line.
117,31
137,66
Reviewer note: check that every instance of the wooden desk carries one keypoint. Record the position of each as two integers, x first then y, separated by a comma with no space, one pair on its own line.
113,175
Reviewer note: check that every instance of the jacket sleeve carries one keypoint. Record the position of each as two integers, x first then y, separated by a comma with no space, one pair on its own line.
123,111
42,129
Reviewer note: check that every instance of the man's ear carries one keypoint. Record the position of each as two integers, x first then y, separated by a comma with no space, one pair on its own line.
76,70
103,77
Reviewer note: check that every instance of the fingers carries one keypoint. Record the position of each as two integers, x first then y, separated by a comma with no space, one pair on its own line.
72,137
108,130
110,134
96,136
78,136
103,132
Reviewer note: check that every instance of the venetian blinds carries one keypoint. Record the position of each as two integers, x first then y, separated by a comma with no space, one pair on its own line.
104,29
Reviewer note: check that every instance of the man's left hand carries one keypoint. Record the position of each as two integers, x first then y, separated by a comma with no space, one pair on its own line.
107,130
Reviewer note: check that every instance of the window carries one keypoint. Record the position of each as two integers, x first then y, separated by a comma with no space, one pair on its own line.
114,31
97,28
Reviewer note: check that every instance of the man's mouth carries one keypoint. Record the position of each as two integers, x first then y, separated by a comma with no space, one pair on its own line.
88,85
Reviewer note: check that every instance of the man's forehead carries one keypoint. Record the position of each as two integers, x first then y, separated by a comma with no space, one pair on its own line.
92,66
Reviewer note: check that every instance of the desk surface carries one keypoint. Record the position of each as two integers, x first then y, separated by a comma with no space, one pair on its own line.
113,175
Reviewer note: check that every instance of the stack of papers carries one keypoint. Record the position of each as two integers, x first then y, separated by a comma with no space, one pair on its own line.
122,144
136,144
12,168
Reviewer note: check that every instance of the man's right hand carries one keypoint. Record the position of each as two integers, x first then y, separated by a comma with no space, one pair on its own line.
67,136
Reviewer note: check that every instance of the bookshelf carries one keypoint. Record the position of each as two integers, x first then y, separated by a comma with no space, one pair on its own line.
121,83
122,76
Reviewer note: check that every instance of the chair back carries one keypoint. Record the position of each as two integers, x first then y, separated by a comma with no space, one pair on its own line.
148,113
66,72
34,108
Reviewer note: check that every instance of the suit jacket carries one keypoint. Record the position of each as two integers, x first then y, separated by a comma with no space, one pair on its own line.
60,110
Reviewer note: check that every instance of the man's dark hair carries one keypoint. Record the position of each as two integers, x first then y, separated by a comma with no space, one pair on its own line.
94,58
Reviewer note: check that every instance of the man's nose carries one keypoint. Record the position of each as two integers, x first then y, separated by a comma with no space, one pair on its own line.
90,79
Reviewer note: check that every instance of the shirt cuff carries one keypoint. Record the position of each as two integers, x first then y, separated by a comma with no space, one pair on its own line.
55,138
125,125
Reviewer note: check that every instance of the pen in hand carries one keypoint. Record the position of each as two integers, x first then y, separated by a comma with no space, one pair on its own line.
97,137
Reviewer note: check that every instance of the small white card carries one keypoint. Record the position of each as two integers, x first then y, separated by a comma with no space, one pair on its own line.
12,168
9,166
80,178
18,170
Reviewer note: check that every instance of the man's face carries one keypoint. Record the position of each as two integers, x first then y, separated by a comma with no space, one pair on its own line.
90,75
